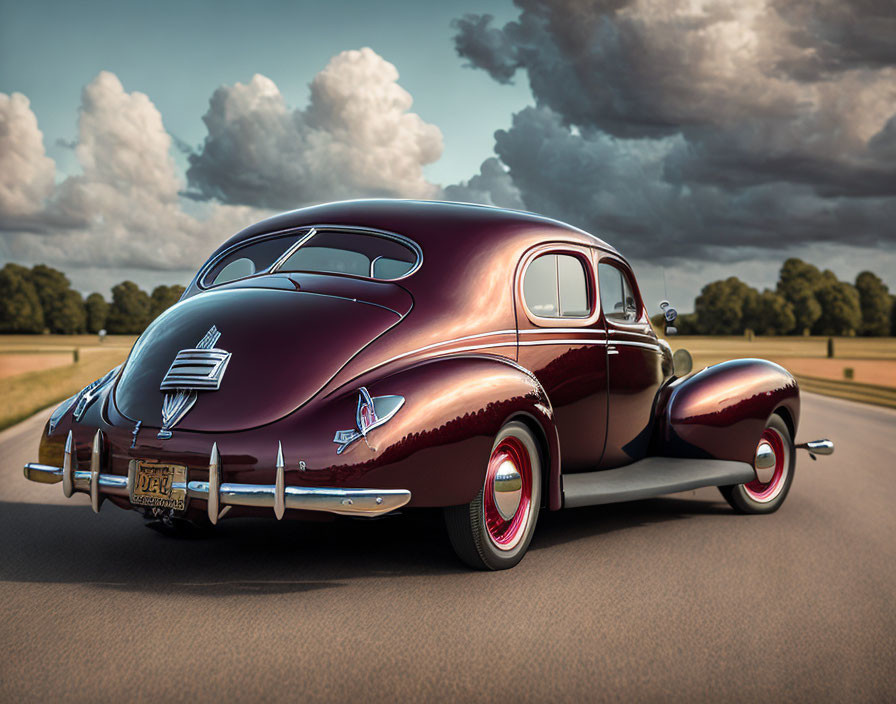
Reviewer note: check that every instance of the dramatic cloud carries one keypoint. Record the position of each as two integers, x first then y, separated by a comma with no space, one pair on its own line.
26,172
126,208
355,138
699,128
493,185
839,36
123,209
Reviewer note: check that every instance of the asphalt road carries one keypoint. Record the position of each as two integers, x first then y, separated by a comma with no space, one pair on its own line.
669,599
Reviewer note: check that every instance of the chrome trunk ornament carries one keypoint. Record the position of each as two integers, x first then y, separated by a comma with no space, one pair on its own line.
372,412
200,368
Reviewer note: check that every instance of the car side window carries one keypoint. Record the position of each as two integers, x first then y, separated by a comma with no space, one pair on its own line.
555,286
616,297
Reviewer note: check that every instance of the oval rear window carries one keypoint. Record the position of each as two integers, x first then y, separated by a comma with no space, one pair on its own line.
364,254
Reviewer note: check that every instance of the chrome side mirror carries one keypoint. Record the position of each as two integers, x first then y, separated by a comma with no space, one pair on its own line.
670,314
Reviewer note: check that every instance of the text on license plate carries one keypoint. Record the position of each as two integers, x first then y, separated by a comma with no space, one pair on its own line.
159,485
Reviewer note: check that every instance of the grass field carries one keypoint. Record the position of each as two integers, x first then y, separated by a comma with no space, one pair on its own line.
43,379
870,361
41,372
868,357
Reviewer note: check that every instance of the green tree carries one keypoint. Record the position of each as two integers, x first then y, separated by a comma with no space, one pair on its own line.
805,306
770,314
797,283
721,305
63,307
97,312
69,316
841,312
129,312
875,301
163,297
20,308
51,285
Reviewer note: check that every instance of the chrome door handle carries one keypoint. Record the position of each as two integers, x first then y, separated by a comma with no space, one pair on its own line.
611,349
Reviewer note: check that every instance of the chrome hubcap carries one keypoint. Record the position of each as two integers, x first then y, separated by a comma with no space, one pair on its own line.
765,462
507,489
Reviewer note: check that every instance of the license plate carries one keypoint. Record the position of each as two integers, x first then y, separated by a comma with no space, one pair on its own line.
159,485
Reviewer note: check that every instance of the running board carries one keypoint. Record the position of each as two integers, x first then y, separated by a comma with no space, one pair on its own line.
652,476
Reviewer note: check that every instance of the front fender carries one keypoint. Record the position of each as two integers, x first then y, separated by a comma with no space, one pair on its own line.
721,411
439,443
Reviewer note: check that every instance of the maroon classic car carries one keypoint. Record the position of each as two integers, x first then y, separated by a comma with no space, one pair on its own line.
360,357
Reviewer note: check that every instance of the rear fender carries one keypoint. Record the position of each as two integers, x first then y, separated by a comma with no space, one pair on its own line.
439,443
721,411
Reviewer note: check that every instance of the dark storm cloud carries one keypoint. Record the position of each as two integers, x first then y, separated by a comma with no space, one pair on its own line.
617,189
493,185
696,129
839,36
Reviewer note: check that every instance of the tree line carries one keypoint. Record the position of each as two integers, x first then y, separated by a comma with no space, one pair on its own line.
806,301
41,299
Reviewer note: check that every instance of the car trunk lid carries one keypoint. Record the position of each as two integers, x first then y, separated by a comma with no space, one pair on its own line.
268,351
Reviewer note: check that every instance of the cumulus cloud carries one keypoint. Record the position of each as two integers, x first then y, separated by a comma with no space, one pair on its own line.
123,208
357,137
26,173
700,128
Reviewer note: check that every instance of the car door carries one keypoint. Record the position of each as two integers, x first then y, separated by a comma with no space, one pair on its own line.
634,364
563,342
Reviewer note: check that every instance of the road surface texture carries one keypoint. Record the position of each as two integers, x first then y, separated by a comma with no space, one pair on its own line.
669,599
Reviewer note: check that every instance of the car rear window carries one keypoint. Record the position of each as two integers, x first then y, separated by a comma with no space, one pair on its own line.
369,255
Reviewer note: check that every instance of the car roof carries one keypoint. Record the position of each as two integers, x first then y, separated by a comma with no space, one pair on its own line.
467,225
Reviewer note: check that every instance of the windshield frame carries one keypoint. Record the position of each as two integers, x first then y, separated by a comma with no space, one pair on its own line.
309,232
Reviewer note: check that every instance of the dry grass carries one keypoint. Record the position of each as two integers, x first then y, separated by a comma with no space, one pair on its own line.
56,343
872,360
710,350
25,394
12,364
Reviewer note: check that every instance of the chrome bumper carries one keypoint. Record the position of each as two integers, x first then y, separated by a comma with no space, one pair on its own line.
221,496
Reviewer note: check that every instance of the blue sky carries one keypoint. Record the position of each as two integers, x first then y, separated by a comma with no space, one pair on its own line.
178,53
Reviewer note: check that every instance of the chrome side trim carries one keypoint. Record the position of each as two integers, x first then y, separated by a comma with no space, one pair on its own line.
86,396
544,331
563,342
628,343
549,331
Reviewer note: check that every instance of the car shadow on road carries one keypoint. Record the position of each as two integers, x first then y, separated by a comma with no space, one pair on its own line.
69,544
559,527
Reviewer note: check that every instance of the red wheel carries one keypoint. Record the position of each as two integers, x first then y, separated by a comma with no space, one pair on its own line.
494,530
774,464
507,494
